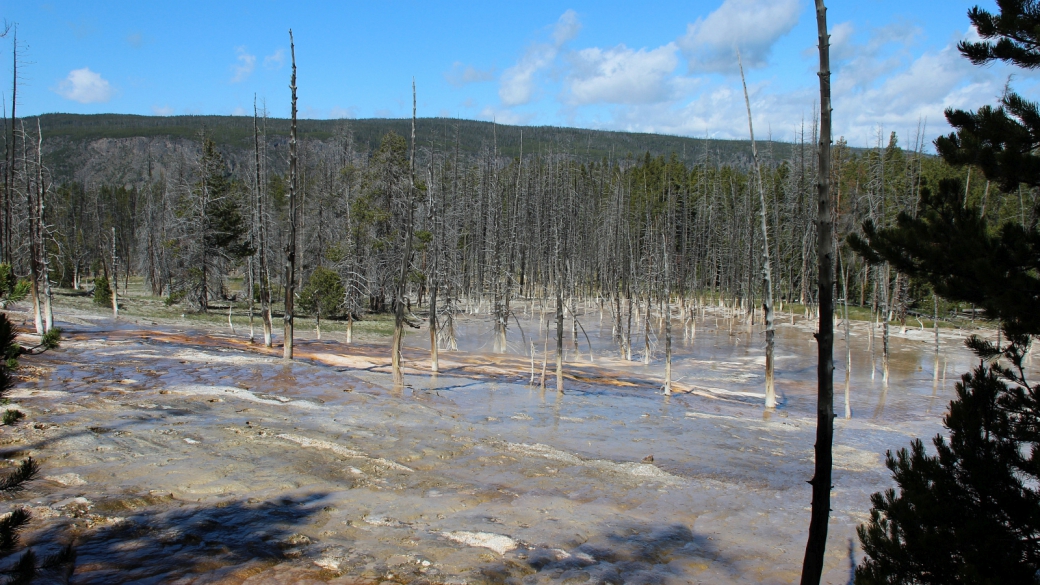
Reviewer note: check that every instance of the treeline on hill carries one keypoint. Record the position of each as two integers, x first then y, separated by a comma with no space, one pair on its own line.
489,226
75,131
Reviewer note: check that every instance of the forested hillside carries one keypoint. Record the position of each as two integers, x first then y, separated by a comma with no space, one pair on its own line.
128,150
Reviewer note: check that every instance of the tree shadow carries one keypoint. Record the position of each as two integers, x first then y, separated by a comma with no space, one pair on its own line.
631,553
164,545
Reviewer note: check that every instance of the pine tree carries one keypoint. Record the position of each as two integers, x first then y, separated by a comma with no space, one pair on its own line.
323,295
1001,141
971,512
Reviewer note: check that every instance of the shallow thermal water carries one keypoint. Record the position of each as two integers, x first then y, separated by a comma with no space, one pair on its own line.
188,457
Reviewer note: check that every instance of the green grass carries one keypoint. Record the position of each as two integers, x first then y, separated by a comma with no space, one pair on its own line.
138,303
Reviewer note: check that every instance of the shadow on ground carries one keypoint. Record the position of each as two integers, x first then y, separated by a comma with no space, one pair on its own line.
630,553
228,541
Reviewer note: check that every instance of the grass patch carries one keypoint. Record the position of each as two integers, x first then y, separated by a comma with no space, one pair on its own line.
137,301
12,416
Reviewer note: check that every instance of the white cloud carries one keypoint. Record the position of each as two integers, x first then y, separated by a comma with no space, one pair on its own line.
566,28
518,82
275,60
886,51
246,64
517,86
460,75
919,91
162,110
841,42
620,75
872,90
85,86
240,111
753,26
505,116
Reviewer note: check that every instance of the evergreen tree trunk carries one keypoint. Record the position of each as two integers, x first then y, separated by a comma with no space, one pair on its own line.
816,545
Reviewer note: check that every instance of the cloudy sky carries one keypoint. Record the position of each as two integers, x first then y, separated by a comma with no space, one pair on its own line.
667,66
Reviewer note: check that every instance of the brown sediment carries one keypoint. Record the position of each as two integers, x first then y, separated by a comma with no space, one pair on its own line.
375,357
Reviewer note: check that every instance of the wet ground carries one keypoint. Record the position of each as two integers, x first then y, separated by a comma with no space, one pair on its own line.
188,456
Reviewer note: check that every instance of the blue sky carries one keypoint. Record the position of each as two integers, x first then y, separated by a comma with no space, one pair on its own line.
664,66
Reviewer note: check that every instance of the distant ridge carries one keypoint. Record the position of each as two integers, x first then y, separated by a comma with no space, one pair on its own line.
129,150
237,132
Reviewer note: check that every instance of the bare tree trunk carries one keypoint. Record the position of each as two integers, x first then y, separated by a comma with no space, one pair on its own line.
435,285
261,232
935,324
647,348
434,358
395,357
885,338
249,291
667,315
114,283
848,335
8,255
767,271
290,246
31,195
559,333
41,229
816,544
628,333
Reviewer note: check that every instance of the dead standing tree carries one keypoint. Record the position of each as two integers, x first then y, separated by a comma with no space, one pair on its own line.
816,545
260,231
406,256
290,245
36,190
9,178
114,283
767,271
